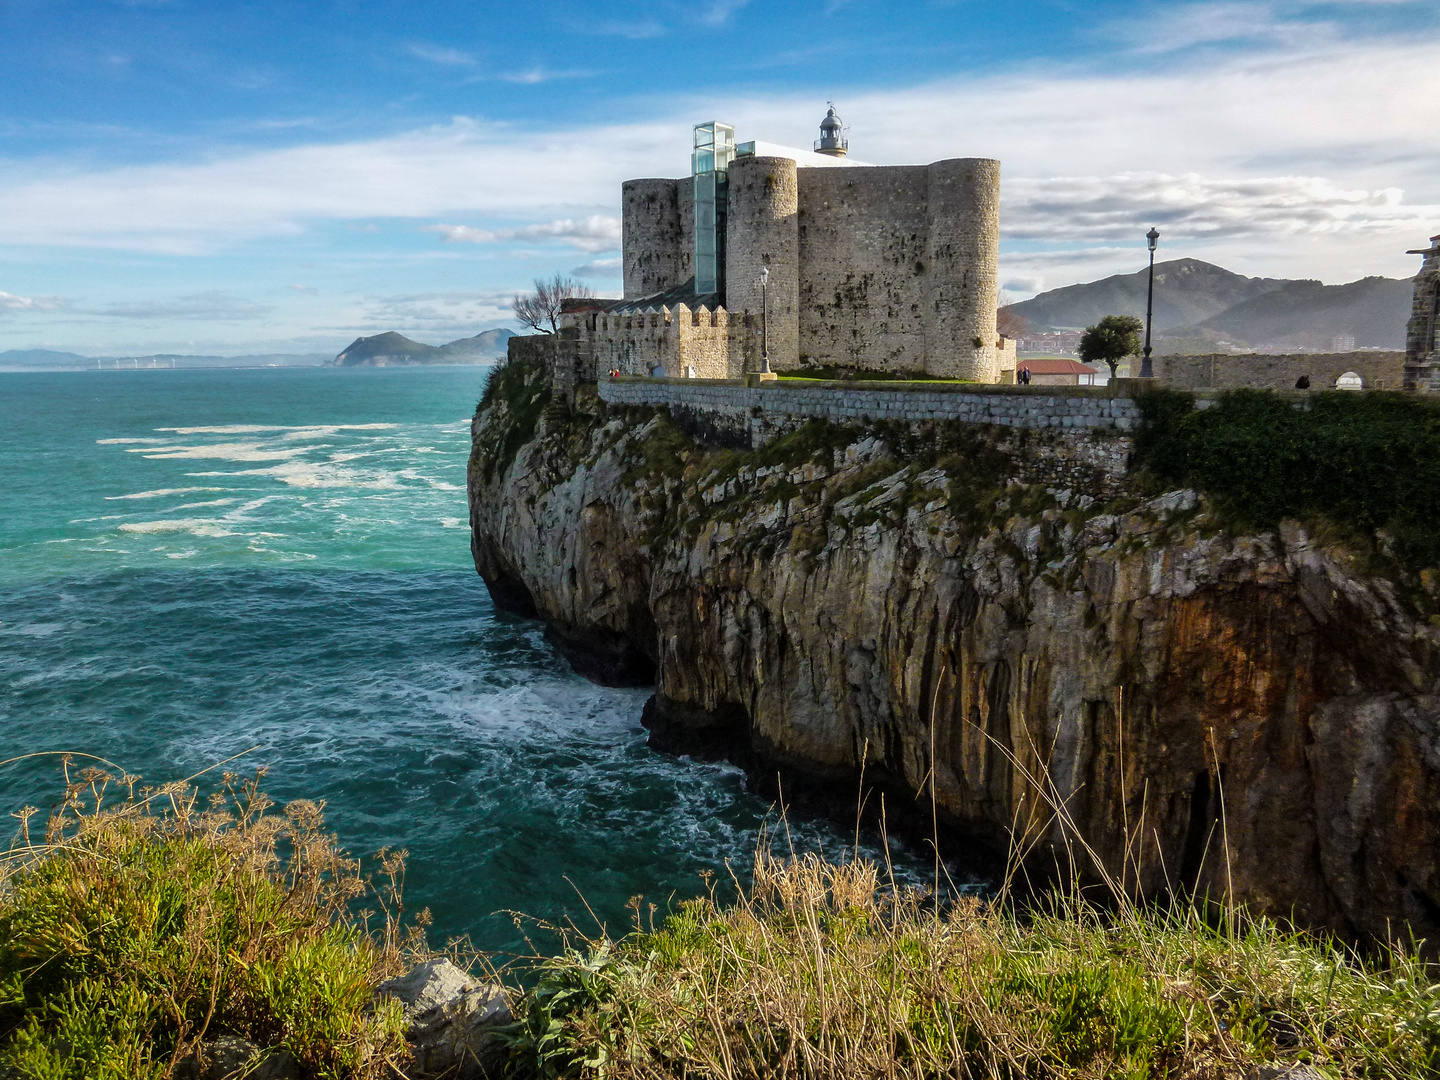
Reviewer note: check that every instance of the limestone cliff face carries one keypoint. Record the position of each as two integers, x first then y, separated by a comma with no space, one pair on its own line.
1138,688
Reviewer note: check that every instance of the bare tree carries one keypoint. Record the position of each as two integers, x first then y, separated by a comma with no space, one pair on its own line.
1010,323
540,310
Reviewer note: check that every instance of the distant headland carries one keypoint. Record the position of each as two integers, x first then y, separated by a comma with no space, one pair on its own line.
383,350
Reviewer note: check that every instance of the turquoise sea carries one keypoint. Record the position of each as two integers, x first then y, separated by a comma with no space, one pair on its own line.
195,563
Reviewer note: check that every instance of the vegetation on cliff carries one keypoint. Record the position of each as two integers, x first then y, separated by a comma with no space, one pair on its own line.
516,393
1368,463
140,925
816,972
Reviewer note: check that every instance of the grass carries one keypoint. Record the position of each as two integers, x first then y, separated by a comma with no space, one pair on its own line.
138,926
142,923
817,971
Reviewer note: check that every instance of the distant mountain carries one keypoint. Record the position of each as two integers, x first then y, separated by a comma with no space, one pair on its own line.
390,348
1309,315
59,361
1198,305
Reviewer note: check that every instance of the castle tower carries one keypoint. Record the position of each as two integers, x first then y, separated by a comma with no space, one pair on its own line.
764,232
651,237
832,141
961,272
1422,333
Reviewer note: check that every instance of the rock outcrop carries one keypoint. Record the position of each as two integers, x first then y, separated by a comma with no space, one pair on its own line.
451,1021
1131,692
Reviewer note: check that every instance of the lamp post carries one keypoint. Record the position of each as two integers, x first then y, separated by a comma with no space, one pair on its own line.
1146,371
764,322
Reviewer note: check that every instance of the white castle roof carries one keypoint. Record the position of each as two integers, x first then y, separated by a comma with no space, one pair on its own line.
806,159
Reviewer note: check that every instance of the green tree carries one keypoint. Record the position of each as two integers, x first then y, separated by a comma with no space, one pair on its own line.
1111,339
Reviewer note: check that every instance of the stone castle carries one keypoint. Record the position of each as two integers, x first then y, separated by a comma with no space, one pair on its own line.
874,267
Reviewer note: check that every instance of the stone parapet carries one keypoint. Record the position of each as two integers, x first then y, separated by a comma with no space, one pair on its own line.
1231,371
757,408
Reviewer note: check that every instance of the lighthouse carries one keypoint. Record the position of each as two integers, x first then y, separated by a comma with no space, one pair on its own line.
832,141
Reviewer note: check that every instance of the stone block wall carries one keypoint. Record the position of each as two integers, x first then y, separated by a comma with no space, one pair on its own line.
863,235
1225,371
1089,408
715,344
962,266
762,233
1078,440
651,236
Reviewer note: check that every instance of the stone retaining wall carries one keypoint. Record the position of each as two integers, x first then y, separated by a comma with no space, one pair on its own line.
1091,408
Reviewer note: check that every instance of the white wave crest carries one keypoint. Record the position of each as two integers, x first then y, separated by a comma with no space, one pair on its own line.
236,451
254,429
193,526
159,493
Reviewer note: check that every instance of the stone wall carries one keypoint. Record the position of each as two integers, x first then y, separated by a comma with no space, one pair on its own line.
651,236
863,235
962,207
1224,371
714,344
761,232
761,410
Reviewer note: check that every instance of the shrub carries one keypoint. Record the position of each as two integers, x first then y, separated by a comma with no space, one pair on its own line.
1370,461
141,926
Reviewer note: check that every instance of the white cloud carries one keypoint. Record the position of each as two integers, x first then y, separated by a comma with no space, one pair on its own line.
10,302
598,232
718,12
205,307
1118,208
440,54
1311,159
599,268
456,314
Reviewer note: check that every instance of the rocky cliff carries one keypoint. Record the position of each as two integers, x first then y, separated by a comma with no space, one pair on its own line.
1126,689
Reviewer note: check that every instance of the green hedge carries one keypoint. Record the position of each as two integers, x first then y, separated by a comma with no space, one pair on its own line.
1366,461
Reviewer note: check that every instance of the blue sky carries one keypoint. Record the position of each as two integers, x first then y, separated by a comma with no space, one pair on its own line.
208,177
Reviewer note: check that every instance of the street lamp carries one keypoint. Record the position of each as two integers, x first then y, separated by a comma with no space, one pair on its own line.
1146,371
764,322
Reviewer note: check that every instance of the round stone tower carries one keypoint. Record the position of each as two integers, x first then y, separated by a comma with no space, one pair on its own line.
651,236
961,269
763,231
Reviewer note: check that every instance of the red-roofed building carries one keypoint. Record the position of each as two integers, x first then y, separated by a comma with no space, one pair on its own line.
1056,373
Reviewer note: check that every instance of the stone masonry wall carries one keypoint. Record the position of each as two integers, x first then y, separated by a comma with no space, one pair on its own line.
1080,438
1090,408
862,249
1223,371
715,344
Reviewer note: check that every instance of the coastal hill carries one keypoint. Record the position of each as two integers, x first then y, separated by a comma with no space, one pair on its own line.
390,348
1200,304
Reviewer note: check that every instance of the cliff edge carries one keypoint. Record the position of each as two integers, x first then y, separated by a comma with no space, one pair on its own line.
1109,683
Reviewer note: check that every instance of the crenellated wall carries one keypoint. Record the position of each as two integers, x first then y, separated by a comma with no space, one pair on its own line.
701,344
